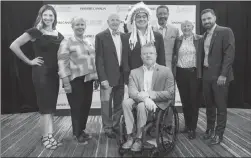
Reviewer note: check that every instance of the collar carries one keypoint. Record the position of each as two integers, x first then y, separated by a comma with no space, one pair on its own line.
151,68
211,31
189,38
160,26
140,33
78,38
111,30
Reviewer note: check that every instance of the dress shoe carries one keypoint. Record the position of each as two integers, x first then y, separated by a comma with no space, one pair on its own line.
209,134
85,135
216,140
184,130
110,134
128,143
137,145
148,146
191,134
81,139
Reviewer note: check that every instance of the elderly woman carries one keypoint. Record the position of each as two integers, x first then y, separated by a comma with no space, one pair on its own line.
187,71
76,61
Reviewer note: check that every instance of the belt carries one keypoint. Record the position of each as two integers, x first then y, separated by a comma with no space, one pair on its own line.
191,69
205,67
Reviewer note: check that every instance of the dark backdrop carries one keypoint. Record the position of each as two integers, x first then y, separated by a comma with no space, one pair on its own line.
18,93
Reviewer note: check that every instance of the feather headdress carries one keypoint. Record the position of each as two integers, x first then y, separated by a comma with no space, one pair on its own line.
136,9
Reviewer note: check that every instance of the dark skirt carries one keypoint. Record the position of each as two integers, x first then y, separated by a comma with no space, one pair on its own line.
46,83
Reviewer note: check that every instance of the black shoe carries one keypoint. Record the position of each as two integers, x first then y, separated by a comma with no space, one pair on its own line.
216,140
148,146
209,134
86,136
81,139
184,130
110,134
191,134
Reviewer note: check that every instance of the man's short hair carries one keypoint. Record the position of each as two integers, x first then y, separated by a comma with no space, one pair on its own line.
149,45
163,6
206,11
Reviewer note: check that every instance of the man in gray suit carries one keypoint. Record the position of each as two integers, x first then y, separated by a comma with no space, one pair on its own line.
151,86
169,33
217,59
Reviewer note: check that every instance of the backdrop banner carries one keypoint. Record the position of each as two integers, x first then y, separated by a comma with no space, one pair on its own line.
96,18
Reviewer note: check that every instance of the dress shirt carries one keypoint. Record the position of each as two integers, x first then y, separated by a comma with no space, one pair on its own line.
207,44
118,45
148,75
142,37
162,29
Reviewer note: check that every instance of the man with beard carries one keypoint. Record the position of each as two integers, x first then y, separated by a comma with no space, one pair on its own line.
169,33
217,59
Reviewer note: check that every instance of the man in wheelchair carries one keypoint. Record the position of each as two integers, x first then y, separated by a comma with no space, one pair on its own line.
150,86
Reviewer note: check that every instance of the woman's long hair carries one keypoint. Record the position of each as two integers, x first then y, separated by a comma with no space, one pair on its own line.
39,22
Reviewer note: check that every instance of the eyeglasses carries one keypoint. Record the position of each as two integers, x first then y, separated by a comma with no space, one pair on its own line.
149,53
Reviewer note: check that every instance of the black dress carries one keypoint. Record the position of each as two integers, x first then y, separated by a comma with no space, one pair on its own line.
45,78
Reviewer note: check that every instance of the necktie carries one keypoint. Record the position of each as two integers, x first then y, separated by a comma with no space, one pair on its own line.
162,29
114,33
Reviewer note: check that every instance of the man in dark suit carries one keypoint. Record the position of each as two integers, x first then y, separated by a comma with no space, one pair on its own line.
142,34
217,59
111,63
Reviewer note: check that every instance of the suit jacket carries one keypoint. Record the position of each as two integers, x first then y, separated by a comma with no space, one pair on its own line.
221,54
135,60
197,41
107,64
162,85
169,39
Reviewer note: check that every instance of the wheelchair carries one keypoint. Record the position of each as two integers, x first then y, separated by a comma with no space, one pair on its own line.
156,127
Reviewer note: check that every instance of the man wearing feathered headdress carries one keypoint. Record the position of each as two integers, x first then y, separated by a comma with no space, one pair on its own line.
142,34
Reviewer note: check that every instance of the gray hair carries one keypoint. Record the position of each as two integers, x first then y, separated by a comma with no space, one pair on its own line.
186,22
74,19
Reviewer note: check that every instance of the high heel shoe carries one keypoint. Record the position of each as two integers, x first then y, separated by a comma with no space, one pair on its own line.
49,142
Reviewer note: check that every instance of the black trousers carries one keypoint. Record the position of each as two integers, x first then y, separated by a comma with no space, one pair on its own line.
189,88
215,98
80,102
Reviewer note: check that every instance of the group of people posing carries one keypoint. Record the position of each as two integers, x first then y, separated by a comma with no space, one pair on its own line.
146,62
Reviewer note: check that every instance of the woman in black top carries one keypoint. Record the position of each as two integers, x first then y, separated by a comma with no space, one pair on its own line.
46,40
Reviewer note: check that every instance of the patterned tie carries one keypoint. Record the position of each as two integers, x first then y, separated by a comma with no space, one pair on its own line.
114,33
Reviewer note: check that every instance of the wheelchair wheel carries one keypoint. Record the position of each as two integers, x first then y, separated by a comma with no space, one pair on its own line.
166,134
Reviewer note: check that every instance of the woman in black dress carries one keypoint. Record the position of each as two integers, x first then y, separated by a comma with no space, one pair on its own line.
46,40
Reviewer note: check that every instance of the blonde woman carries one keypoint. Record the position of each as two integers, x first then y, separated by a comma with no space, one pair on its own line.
76,60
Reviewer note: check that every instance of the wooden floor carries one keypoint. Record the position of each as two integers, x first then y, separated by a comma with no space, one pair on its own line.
20,137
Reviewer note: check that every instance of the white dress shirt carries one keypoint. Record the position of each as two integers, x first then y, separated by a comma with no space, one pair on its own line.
118,45
207,44
162,30
148,75
142,37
